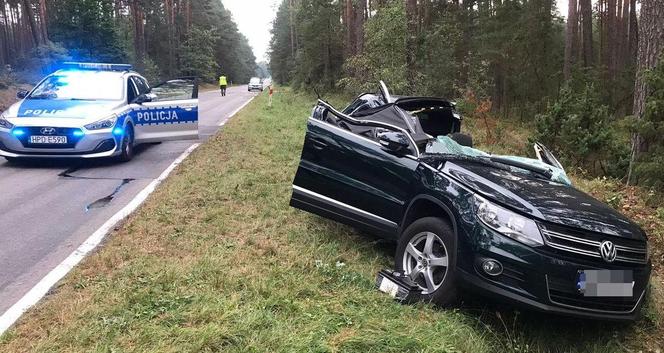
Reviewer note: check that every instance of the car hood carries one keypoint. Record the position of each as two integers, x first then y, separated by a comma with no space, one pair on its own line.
542,199
30,112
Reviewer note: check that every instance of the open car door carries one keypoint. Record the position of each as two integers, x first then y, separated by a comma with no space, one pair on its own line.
169,112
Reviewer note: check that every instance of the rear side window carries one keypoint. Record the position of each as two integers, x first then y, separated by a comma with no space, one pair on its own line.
132,91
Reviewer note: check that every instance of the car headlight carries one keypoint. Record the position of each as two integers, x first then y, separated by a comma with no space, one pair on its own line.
103,124
4,123
508,223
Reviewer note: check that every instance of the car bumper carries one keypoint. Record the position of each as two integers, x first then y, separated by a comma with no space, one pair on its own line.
91,145
256,87
542,281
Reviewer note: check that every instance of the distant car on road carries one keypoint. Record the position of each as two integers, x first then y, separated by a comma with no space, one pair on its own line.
255,84
88,110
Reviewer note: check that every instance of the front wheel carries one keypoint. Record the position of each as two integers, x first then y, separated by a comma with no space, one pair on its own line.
127,146
426,253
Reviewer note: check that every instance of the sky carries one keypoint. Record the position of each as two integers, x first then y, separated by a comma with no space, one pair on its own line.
254,19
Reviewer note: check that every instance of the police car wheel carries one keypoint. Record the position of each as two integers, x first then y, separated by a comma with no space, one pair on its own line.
127,146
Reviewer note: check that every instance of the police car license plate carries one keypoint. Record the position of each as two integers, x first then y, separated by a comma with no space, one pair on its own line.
56,140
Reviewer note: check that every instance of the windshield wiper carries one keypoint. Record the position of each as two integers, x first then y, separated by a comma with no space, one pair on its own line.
548,173
41,96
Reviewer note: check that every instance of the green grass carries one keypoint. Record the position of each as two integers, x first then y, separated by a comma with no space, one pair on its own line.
216,260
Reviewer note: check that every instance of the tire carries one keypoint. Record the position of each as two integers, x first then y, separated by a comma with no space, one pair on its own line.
12,160
127,146
441,289
462,139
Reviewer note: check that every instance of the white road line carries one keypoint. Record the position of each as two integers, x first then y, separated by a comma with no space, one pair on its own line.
40,289
45,284
236,111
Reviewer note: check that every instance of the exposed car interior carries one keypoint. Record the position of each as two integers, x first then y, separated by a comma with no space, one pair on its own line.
421,118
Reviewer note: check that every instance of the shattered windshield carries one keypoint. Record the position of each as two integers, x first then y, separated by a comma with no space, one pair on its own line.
447,146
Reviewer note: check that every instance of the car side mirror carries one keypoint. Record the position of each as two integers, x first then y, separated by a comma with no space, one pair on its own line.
144,98
22,94
394,141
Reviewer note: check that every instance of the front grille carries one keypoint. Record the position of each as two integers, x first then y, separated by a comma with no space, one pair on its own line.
562,291
587,244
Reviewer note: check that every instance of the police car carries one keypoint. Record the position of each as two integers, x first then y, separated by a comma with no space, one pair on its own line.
89,110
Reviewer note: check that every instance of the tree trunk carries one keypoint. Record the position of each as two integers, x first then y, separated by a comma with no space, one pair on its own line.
603,34
624,35
30,14
187,16
651,45
359,26
611,37
139,33
411,44
587,29
170,21
5,38
291,10
570,39
618,39
350,36
633,33
43,20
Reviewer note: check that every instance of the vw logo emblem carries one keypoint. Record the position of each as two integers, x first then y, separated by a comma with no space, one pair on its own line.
608,251
48,130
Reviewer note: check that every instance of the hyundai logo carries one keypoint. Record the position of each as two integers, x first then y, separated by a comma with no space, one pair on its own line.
608,251
48,131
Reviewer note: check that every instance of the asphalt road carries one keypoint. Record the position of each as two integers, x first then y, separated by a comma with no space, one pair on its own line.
48,208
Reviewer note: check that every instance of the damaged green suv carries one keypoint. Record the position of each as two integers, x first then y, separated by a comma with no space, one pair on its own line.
510,227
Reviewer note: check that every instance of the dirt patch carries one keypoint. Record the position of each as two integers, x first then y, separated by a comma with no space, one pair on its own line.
8,95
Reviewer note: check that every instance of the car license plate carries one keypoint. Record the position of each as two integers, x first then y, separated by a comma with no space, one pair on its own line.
389,287
605,283
54,140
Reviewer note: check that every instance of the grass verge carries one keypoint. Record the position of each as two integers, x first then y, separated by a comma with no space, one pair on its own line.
217,261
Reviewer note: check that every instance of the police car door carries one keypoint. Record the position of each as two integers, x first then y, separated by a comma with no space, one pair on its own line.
166,112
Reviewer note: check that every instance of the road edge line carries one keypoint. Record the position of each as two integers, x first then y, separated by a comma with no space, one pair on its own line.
236,111
40,290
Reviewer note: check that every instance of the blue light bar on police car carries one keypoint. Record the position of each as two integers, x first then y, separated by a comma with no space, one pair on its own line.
96,66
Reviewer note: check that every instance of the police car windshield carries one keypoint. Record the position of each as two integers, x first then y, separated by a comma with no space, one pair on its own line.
80,85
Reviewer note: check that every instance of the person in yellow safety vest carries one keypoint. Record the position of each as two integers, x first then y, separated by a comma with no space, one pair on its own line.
223,84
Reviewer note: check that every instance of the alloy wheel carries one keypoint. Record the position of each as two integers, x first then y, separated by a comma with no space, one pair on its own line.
425,261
